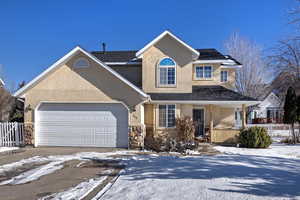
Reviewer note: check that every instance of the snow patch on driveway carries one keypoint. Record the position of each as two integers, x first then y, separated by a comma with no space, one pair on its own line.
56,163
34,174
79,191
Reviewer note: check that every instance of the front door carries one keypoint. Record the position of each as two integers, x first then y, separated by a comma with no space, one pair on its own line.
198,118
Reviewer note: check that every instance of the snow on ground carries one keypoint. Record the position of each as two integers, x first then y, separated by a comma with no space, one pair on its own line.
34,174
55,163
275,150
79,191
238,174
3,149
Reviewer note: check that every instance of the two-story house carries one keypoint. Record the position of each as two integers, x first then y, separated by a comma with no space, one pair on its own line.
91,99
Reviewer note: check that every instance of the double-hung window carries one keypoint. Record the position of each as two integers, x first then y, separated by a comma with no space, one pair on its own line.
167,72
224,76
166,115
204,72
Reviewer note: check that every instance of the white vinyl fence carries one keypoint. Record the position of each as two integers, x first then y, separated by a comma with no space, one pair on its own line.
12,134
276,130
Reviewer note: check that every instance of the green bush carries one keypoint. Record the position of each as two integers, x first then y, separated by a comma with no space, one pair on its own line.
255,137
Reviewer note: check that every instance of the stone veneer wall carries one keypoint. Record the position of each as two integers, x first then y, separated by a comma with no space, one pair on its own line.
137,136
29,133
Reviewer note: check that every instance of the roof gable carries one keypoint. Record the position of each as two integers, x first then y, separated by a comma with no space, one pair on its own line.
65,59
162,35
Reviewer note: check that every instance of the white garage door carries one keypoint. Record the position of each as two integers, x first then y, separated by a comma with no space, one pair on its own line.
82,124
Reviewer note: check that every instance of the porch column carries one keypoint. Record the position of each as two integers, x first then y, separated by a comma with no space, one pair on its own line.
154,117
211,122
244,116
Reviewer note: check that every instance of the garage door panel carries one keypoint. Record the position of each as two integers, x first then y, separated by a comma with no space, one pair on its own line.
100,125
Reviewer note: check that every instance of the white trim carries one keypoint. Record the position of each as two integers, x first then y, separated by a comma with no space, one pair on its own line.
166,66
67,57
231,66
223,61
140,52
248,103
123,63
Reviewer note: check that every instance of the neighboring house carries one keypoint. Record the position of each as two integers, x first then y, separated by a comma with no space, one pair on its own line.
282,82
270,110
91,99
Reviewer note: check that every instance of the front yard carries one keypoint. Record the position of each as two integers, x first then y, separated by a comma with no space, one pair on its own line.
235,173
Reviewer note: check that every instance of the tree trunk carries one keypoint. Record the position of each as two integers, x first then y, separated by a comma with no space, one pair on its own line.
298,135
293,133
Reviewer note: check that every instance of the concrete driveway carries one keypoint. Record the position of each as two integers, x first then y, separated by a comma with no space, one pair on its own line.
28,152
72,173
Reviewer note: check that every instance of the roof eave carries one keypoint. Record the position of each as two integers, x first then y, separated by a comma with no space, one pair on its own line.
207,102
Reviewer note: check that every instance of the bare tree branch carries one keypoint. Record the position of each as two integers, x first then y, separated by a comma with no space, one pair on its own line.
250,79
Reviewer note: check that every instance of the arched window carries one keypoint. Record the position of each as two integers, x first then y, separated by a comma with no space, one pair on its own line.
167,72
81,63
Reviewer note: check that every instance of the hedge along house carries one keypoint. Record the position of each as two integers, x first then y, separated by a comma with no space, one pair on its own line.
93,99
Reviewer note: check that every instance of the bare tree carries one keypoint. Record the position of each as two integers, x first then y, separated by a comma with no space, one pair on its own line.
6,99
6,102
250,79
285,57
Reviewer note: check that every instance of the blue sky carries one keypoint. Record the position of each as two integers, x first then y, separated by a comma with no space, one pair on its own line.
34,34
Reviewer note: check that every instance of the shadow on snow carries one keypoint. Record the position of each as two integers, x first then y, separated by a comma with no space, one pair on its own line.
281,176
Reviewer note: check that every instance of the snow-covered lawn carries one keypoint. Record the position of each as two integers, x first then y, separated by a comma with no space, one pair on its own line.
237,174
275,150
3,149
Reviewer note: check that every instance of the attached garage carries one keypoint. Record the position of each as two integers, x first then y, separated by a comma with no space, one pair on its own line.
81,124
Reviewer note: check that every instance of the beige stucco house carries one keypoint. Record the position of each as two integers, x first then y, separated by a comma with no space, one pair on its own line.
96,98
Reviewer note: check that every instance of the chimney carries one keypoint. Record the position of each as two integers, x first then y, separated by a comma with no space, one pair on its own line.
103,47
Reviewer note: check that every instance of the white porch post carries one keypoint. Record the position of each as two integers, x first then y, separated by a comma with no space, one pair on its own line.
211,122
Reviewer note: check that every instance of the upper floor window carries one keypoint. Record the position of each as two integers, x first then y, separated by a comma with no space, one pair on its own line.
81,63
203,72
224,76
167,72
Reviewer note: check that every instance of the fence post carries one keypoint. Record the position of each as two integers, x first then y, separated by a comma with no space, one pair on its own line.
17,133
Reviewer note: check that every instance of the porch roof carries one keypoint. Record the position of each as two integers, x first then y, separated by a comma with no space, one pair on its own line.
204,93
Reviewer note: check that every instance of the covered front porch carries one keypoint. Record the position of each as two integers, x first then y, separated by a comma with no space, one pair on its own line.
216,122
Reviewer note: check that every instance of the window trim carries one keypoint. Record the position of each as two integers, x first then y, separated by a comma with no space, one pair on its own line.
226,76
166,127
158,67
203,78
81,67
